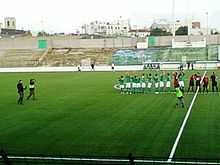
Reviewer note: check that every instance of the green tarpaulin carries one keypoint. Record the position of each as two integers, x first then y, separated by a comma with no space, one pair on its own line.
151,41
42,44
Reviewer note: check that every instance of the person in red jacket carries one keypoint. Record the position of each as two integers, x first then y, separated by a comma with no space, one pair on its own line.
205,83
191,83
198,81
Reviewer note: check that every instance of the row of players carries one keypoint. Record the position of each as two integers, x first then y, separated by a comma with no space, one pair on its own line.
164,82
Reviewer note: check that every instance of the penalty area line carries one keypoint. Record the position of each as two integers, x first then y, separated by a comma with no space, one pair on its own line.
173,151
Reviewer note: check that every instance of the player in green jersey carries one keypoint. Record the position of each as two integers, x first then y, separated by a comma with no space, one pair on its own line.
168,82
143,83
149,82
162,81
156,83
128,84
121,84
181,78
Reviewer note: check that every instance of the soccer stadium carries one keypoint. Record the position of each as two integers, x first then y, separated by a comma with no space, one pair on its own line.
109,97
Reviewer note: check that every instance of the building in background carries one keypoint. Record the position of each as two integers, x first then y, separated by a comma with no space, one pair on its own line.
10,30
196,25
1,25
161,24
198,30
167,26
10,23
119,27
139,33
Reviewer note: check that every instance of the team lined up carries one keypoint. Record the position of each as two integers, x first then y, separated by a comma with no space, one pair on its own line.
132,84
165,82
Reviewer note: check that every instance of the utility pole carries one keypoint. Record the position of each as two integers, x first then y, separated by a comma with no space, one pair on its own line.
207,33
189,21
173,19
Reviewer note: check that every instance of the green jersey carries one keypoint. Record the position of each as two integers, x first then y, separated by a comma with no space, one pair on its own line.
182,77
150,78
142,80
156,78
168,78
121,81
127,79
162,78
132,79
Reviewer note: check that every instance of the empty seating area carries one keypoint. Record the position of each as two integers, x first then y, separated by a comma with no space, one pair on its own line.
20,57
74,57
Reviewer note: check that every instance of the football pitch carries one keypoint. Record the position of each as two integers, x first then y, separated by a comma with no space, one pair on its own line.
82,114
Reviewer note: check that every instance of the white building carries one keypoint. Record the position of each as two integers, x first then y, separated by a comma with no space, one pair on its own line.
161,24
10,23
140,33
168,26
1,25
115,28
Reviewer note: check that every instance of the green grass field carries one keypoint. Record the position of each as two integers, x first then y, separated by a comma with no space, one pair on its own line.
82,114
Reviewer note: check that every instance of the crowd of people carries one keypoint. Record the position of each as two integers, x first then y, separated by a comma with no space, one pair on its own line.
21,90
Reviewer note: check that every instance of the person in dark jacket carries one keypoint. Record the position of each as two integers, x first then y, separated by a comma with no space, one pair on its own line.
214,82
20,88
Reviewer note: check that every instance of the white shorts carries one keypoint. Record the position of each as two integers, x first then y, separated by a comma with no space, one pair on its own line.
134,85
143,85
138,85
181,83
149,85
128,85
122,86
161,84
156,85
168,84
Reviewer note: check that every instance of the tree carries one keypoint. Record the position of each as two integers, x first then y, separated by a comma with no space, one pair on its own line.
42,33
159,32
183,30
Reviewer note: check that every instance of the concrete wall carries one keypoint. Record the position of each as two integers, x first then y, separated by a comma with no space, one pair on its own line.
167,40
66,42
70,42
167,66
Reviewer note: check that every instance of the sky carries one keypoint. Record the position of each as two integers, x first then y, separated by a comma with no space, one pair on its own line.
68,15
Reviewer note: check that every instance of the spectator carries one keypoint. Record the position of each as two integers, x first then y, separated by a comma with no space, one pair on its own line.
93,67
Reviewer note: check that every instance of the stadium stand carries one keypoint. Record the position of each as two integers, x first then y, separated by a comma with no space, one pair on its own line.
74,57
20,57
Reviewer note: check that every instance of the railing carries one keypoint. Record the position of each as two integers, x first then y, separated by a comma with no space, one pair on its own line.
13,159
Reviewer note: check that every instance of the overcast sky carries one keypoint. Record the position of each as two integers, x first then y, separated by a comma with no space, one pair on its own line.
68,15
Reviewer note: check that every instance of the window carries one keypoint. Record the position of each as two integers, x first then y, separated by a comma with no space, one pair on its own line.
8,23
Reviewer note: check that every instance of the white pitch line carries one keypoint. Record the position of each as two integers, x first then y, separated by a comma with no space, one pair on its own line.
184,123
109,160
